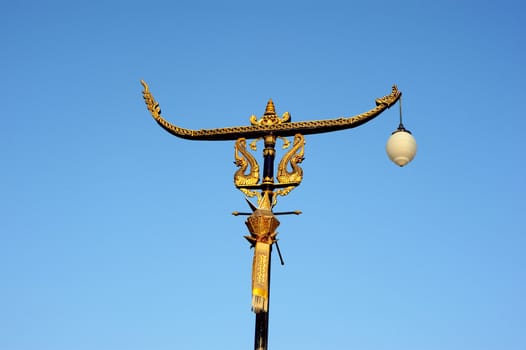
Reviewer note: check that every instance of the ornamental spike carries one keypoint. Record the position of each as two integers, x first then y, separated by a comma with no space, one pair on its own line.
252,206
270,110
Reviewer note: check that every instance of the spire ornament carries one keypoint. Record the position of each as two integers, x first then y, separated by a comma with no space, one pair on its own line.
270,117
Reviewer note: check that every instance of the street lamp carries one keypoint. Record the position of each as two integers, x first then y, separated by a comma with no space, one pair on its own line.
266,186
401,146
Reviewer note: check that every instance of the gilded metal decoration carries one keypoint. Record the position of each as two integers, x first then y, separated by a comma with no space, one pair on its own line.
270,117
270,126
246,162
293,158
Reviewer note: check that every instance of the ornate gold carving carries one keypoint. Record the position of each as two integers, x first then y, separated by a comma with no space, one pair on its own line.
284,191
286,142
262,225
253,144
293,157
389,100
270,117
249,193
246,162
261,129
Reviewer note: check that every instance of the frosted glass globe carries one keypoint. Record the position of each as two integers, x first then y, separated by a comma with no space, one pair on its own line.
401,147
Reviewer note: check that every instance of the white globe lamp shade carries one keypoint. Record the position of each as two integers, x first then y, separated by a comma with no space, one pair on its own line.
401,147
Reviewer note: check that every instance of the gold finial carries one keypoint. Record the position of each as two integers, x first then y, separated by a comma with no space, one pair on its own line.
270,110
270,117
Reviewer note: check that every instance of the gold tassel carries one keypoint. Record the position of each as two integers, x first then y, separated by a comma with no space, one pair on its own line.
260,277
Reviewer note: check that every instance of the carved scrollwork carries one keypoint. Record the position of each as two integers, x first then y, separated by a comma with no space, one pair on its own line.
293,158
389,100
248,172
270,123
284,191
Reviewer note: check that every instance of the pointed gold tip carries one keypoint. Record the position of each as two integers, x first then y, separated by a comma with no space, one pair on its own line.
270,110
264,202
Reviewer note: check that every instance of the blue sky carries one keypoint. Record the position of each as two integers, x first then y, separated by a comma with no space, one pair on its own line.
117,235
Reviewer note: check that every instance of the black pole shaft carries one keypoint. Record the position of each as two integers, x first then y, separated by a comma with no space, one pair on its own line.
261,336
269,154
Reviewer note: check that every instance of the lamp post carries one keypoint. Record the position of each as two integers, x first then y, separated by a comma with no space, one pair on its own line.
262,221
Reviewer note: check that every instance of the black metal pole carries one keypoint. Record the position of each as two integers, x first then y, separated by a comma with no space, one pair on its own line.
269,153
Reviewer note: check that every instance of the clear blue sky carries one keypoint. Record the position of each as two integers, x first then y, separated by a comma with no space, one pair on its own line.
116,235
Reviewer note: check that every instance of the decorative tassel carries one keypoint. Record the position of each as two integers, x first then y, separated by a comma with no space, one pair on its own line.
260,277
